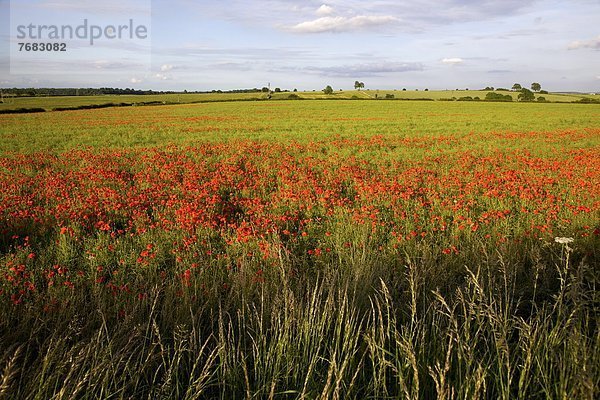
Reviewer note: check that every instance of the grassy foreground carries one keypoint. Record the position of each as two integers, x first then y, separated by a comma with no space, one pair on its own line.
301,250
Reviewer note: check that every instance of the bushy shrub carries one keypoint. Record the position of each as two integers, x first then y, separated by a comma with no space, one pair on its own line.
492,96
23,110
587,100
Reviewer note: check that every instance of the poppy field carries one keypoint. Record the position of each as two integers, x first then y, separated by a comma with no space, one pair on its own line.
301,249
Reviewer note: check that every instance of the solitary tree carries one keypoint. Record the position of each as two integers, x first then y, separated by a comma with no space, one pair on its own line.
358,85
328,90
536,87
516,87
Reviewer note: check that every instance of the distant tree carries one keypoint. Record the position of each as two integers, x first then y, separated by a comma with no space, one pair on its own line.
295,90
404,89
489,88
541,99
427,90
516,87
359,85
389,96
328,90
543,92
265,89
526,95
536,87
277,90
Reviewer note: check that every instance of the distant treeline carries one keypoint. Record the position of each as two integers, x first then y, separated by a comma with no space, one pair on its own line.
40,92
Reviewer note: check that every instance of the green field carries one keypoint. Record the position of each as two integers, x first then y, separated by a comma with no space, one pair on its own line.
284,121
52,102
49,103
300,249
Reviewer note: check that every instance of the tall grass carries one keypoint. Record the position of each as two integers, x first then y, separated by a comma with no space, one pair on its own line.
333,335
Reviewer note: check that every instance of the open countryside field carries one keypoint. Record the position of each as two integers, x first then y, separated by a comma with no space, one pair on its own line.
292,121
49,103
301,249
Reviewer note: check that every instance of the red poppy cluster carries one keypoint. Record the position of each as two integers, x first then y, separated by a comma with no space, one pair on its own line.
262,197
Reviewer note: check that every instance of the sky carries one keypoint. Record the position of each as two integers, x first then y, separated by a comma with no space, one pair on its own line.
205,45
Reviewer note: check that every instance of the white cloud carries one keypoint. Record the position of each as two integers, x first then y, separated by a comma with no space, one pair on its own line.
342,24
162,77
166,67
135,80
325,10
453,61
585,44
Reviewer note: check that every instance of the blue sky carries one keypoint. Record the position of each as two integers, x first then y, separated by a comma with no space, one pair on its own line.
203,45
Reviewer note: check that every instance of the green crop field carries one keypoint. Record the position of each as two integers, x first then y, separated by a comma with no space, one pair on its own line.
51,102
284,121
300,249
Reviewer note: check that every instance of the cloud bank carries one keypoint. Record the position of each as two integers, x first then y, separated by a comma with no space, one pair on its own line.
586,44
366,69
452,61
342,24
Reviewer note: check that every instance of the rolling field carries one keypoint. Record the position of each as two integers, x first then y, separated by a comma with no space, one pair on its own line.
289,249
52,102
